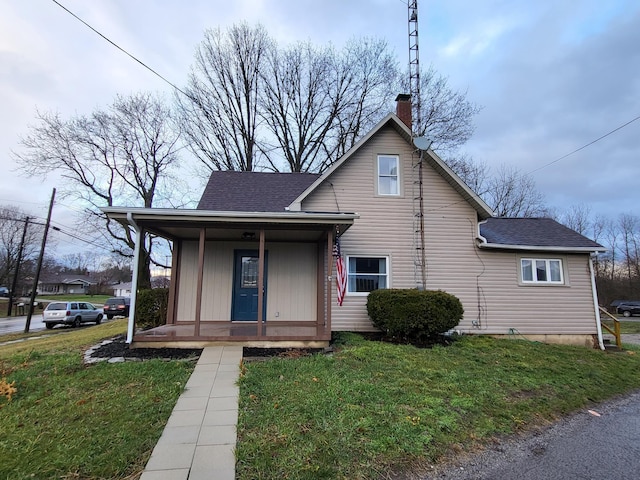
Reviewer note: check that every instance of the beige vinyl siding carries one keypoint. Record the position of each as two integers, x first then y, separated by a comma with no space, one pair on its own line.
534,309
485,281
217,285
291,280
186,308
386,225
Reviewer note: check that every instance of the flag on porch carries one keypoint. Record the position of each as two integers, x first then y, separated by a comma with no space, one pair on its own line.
341,271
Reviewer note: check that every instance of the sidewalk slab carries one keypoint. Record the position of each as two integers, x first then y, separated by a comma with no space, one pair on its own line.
199,439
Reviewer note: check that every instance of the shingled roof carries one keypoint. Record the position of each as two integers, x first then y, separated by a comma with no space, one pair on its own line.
535,232
230,191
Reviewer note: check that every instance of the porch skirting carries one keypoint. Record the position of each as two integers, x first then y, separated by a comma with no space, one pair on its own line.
288,334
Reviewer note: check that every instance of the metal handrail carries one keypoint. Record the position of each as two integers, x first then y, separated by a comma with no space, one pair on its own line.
616,327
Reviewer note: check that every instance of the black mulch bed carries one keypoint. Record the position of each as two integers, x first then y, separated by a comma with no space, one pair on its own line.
119,348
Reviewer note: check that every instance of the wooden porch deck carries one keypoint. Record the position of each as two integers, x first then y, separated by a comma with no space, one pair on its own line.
251,334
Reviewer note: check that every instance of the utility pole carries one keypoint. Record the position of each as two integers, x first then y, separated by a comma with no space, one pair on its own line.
39,267
14,284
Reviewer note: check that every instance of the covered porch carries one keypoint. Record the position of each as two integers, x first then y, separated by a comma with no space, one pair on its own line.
259,279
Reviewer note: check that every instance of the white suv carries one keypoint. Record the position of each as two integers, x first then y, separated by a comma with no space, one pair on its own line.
70,313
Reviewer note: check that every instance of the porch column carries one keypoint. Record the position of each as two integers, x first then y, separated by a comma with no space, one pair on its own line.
260,284
200,277
173,282
330,240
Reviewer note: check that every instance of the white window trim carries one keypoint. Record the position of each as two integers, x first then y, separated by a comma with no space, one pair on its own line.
398,176
547,261
388,274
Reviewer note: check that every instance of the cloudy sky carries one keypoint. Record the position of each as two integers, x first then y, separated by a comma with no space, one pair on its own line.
551,75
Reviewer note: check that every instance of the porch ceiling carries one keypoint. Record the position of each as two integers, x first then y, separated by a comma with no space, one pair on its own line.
278,226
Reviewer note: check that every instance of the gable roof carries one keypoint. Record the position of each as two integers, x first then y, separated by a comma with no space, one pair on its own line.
231,191
429,156
68,279
533,234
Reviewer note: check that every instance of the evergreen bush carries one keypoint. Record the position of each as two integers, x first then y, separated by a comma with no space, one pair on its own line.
414,315
151,307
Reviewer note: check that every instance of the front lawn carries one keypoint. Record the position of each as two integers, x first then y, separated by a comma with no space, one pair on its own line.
374,407
71,421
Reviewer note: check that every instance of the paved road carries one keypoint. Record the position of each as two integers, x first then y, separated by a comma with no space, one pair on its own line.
603,443
17,324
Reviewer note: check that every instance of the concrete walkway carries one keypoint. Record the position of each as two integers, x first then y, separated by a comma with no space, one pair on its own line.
199,439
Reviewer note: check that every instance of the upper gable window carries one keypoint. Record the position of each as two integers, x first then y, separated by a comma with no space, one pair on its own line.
388,175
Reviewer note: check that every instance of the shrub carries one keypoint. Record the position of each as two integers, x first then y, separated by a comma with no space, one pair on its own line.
414,314
151,307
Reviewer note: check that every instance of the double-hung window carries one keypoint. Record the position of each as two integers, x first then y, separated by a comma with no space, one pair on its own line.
388,175
365,274
541,271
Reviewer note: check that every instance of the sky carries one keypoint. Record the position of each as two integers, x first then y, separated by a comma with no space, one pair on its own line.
551,76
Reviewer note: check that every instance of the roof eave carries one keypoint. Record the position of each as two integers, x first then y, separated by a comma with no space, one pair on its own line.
484,211
541,248
120,214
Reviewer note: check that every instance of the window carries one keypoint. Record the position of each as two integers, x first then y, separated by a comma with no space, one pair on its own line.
538,270
365,274
388,178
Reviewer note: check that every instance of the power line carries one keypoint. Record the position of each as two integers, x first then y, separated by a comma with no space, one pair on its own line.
121,49
586,145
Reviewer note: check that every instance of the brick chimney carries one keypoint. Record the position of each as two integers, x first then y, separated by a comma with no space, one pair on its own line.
403,108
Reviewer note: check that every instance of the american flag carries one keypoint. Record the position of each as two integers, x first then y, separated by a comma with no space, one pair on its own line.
341,272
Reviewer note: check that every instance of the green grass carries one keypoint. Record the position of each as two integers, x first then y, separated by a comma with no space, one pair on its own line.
70,421
626,327
374,407
97,299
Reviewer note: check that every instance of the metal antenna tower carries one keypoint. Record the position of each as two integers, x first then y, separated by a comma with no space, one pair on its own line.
414,63
422,144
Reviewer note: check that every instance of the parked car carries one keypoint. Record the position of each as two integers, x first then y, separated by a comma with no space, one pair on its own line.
116,306
70,313
629,308
4,292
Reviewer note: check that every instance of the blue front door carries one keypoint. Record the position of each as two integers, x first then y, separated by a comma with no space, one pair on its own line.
245,286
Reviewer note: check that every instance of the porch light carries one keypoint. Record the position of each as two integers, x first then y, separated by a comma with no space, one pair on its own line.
248,235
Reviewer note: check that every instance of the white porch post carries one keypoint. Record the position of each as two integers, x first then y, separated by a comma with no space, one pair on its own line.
134,277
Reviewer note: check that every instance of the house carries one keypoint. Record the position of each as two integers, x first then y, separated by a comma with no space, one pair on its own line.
62,284
254,262
121,289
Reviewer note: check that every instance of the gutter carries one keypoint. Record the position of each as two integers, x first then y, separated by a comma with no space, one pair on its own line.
134,278
594,292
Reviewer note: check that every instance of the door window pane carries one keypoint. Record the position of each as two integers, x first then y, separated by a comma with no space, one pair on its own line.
249,273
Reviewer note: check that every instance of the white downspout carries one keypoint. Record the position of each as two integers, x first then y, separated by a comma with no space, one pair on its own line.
134,277
596,307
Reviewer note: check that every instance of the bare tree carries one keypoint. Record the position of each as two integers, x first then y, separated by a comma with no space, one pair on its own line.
511,193
363,83
12,222
577,218
122,155
252,104
446,114
475,174
220,113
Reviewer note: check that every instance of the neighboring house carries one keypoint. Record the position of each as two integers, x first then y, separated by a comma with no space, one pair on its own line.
254,262
122,289
59,284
